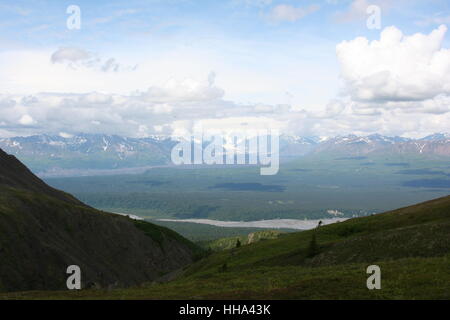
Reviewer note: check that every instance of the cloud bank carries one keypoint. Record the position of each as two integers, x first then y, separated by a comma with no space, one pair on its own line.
396,85
409,73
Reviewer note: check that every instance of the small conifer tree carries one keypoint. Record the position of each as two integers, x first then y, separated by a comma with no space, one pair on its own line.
313,249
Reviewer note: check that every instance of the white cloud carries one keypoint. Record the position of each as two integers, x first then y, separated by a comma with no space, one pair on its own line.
397,67
186,90
7,102
79,58
65,135
162,108
229,126
130,115
96,98
284,12
26,120
70,55
395,85
437,105
334,108
143,114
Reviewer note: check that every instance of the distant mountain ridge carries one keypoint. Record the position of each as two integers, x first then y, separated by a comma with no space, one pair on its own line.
47,153
352,145
87,151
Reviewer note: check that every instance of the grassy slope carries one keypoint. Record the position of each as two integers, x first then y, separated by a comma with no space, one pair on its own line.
231,242
411,245
204,233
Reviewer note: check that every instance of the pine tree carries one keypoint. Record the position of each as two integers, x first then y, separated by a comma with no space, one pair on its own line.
313,248
224,267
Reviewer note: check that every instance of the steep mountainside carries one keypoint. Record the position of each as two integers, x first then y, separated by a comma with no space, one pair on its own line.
15,175
43,231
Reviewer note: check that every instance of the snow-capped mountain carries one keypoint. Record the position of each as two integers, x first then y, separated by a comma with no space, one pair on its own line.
352,145
45,153
294,146
87,151
437,137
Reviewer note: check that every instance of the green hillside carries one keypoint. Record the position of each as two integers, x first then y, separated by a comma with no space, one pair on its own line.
411,245
232,242
205,234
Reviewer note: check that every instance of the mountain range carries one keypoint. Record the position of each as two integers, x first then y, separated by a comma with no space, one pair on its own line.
56,155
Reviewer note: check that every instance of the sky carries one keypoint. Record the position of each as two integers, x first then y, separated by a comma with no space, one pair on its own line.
304,67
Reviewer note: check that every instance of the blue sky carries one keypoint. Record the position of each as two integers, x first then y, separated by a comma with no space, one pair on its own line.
105,23
260,58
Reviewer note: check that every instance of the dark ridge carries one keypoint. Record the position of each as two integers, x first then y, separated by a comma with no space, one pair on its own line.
16,175
43,231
